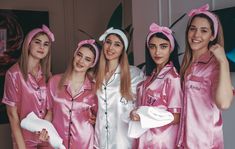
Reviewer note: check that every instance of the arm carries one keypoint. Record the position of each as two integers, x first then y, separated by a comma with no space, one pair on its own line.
224,92
15,127
49,115
176,118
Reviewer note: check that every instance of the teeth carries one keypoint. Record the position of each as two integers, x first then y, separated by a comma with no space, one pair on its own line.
195,41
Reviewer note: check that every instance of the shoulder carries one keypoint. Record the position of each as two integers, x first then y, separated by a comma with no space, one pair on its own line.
55,78
135,70
14,68
173,73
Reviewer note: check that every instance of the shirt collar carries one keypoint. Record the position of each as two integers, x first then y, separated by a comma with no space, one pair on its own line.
164,70
86,84
205,57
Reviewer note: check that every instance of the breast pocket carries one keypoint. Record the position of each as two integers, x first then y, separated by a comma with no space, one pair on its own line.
198,84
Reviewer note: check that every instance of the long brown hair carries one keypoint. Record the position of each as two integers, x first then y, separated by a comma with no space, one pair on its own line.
188,51
125,84
24,59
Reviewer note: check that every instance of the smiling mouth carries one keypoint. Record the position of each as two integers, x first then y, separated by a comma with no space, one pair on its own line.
41,52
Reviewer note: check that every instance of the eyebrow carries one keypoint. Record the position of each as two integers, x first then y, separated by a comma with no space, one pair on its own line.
83,55
41,40
199,27
114,41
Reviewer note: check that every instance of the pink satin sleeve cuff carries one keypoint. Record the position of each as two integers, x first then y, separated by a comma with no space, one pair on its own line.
174,110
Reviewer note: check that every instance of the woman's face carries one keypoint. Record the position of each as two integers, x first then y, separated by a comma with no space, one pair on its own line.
113,48
39,47
199,34
159,50
83,59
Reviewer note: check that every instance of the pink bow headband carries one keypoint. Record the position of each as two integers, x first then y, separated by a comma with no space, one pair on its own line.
204,10
154,28
92,43
44,29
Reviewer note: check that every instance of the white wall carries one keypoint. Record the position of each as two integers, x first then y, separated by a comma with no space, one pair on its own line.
165,12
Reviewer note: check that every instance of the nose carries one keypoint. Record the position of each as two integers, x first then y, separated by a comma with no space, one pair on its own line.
156,50
41,46
197,33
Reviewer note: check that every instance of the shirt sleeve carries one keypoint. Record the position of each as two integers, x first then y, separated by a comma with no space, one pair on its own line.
214,79
174,95
11,90
49,103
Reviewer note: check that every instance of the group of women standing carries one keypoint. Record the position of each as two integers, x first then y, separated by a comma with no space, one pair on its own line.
87,104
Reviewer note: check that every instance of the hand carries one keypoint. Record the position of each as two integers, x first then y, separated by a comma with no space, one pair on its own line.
92,119
218,52
134,116
43,135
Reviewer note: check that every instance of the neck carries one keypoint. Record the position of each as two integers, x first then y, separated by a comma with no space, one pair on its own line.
33,65
78,77
112,65
198,53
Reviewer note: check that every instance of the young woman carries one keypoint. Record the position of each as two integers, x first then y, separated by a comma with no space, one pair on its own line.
25,85
116,83
206,82
160,90
74,100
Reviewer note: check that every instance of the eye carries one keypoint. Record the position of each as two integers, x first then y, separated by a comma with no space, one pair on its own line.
151,46
192,28
79,54
46,44
108,42
117,44
204,30
164,46
88,59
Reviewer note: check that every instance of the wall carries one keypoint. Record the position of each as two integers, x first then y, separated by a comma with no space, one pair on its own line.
165,12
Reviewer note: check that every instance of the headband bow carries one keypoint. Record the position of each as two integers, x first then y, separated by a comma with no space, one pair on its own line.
204,10
92,43
48,32
201,9
111,30
154,28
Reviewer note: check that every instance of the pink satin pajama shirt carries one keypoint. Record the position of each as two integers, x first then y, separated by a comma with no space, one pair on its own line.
201,126
71,114
28,96
162,91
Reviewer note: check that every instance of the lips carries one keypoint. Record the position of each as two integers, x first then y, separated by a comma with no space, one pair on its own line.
41,52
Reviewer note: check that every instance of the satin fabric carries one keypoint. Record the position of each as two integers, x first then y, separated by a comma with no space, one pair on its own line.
111,128
28,96
161,91
202,122
71,114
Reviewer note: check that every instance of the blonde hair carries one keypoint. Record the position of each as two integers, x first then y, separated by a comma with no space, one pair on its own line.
188,51
24,59
125,84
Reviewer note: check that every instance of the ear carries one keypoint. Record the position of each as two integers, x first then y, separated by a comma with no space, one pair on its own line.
212,38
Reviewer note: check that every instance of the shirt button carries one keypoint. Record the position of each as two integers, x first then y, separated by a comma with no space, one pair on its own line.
105,112
105,100
70,134
104,88
71,122
70,111
106,127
